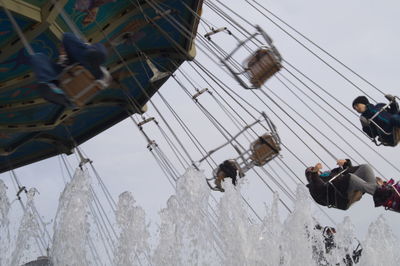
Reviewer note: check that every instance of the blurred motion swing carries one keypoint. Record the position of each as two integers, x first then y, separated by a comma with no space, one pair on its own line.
261,150
262,63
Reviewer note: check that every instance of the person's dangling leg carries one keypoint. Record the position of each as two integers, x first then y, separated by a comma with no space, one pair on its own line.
95,56
46,73
358,184
74,47
49,92
363,179
218,180
89,56
45,70
234,180
366,173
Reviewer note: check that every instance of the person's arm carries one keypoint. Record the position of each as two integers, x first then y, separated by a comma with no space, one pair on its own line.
313,175
366,127
344,163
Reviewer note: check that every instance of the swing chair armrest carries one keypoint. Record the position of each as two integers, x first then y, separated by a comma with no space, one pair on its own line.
230,141
264,34
240,45
380,111
215,31
381,129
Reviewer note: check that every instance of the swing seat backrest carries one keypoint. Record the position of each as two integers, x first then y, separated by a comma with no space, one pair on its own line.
79,84
261,66
264,149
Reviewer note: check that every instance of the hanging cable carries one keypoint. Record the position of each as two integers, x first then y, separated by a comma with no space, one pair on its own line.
320,58
318,46
326,123
340,114
107,243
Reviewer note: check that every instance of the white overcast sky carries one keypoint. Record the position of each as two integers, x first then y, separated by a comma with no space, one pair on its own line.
363,33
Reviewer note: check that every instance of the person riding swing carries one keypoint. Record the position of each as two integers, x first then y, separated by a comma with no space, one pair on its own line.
229,168
342,186
381,122
73,52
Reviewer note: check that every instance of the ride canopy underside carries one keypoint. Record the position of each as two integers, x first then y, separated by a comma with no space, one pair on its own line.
138,38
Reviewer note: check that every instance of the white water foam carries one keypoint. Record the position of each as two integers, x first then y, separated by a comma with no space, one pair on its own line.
71,227
191,233
134,235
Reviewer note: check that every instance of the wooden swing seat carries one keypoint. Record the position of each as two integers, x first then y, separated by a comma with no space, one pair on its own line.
79,84
261,66
264,149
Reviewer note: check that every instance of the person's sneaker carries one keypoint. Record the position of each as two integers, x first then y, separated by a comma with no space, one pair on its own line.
219,186
106,79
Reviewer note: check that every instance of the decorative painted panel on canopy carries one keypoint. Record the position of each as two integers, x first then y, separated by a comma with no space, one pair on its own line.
142,37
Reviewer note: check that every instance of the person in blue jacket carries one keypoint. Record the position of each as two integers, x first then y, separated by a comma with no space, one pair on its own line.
90,56
383,124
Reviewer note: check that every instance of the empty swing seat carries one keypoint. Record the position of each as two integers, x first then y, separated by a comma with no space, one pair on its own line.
261,66
264,149
79,84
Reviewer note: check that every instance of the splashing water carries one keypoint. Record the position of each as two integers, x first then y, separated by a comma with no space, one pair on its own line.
27,237
235,228
380,247
132,241
71,225
4,222
4,205
186,233
191,232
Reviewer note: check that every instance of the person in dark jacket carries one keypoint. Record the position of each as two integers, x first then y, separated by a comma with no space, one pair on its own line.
386,120
75,51
229,168
342,186
352,257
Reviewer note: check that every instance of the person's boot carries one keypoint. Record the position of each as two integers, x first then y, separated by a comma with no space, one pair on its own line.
382,194
218,185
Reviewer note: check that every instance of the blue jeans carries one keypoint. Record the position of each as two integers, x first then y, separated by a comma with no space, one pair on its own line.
89,56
